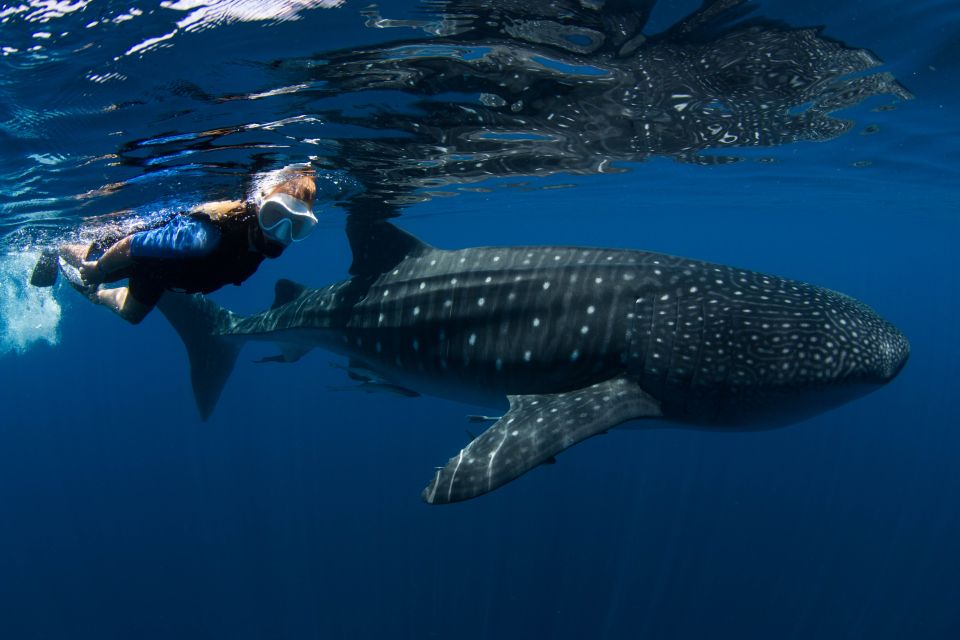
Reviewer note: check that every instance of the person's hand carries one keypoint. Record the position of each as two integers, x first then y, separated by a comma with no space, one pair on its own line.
90,272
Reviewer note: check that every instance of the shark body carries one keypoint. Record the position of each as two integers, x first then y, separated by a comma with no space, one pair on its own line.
575,340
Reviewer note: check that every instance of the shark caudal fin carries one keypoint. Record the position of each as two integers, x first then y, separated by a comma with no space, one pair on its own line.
198,321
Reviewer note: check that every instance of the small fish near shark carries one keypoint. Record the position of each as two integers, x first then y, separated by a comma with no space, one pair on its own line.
371,382
576,340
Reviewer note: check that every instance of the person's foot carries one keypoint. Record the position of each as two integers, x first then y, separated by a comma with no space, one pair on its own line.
72,275
90,272
76,256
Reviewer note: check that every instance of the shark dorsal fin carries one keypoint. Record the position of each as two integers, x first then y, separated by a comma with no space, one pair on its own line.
286,291
378,246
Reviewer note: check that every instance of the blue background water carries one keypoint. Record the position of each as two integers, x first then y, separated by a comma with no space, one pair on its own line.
294,512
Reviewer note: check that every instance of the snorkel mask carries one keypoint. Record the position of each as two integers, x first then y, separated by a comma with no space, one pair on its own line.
285,219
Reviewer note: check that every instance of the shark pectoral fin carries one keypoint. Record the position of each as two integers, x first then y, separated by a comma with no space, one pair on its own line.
534,430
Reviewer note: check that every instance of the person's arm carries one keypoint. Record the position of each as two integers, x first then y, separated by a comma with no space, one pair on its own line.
219,208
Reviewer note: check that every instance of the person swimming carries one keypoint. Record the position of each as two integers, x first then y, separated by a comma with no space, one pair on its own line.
195,251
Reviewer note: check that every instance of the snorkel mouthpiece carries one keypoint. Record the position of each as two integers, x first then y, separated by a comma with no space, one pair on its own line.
285,219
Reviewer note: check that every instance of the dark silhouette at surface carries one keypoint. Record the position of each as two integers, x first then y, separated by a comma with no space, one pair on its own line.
506,88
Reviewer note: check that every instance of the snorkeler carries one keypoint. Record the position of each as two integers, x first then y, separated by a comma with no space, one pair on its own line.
196,251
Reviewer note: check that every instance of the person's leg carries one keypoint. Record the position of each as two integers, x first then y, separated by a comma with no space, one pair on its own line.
75,254
133,302
119,300
71,256
110,267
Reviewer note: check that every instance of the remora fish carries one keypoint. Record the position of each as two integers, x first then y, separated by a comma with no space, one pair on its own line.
578,340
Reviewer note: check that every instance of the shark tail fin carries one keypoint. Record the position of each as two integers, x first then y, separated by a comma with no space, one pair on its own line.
198,321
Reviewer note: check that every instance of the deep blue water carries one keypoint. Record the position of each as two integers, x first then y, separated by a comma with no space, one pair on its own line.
294,512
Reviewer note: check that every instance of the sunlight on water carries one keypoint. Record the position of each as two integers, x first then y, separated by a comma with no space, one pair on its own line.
27,314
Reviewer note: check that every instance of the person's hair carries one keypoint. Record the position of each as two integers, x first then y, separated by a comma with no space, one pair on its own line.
301,187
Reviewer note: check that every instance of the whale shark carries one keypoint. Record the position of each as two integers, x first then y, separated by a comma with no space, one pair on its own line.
572,341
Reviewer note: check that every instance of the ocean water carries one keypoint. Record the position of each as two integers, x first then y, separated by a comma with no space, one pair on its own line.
294,511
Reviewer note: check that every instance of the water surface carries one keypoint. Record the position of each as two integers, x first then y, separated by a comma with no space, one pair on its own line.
294,511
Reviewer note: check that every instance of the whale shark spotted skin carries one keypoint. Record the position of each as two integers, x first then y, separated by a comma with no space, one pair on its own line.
577,340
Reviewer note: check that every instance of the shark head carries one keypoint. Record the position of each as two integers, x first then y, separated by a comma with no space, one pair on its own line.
890,352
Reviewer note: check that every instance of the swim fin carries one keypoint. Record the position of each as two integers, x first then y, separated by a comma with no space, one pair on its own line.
45,272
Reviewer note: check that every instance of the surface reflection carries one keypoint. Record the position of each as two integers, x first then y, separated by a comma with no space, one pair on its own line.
467,92
535,88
